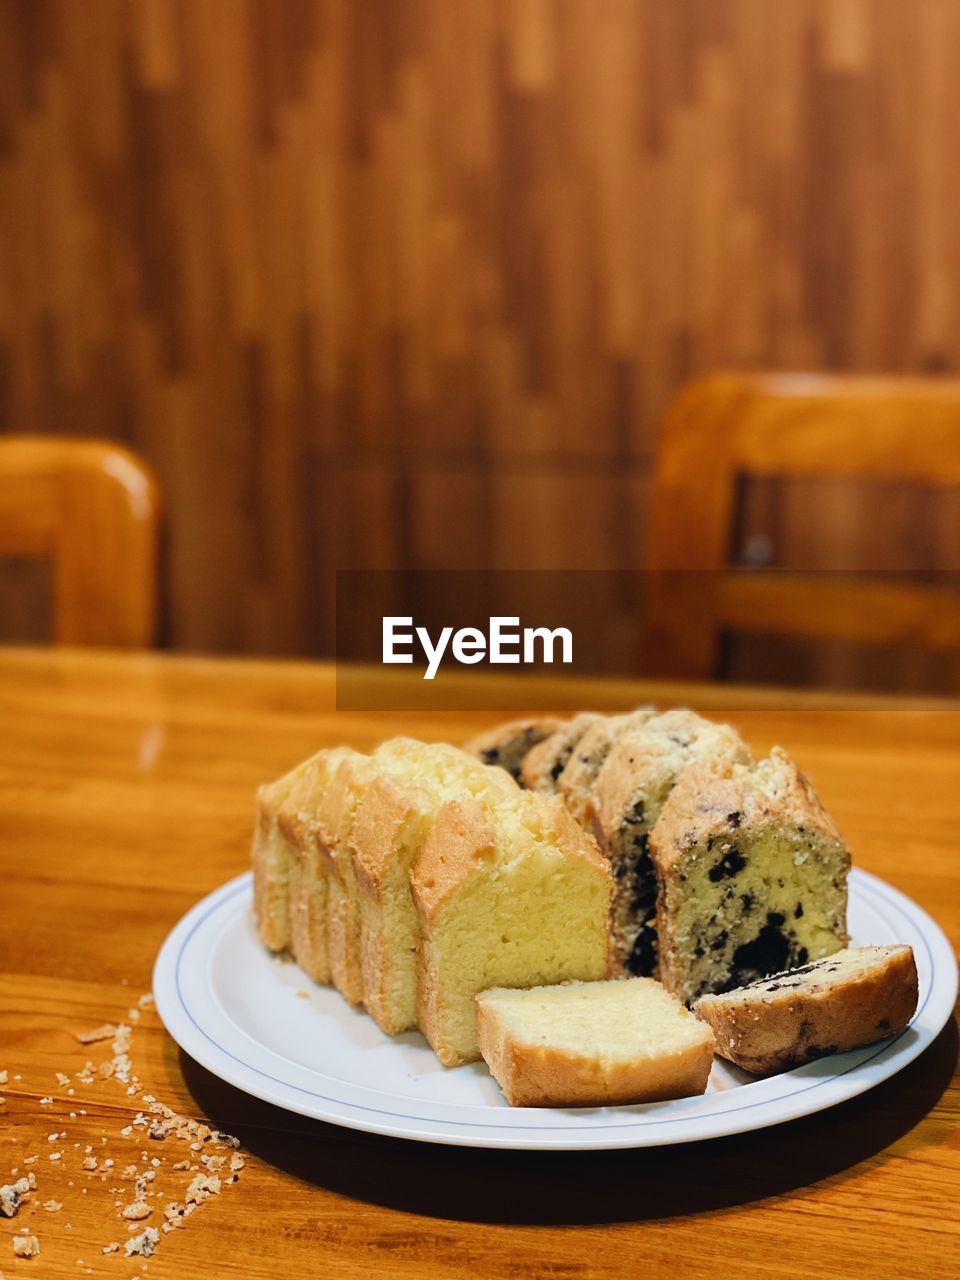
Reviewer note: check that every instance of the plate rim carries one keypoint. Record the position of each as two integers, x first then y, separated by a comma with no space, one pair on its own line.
883,1060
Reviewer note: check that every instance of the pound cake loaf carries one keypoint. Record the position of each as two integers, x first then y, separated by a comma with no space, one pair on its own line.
752,875
508,744
393,819
852,998
543,765
270,856
630,791
576,782
592,1044
516,895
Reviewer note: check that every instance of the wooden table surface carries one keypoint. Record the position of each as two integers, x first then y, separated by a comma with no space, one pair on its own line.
126,785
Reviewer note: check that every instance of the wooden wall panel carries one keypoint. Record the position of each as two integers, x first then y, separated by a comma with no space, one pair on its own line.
356,274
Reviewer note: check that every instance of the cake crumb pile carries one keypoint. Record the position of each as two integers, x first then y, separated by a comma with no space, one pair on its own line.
147,1202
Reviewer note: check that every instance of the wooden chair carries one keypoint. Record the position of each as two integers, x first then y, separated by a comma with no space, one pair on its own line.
728,425
92,507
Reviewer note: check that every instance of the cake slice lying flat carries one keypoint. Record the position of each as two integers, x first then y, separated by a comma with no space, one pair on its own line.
392,822
508,744
752,877
592,1044
852,998
630,791
514,894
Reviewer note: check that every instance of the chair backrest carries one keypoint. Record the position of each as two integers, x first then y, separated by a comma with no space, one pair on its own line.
725,426
92,507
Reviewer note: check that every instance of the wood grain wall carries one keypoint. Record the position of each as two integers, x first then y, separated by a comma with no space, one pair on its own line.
382,283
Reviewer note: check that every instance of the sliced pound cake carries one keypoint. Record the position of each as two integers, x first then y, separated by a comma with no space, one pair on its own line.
576,782
270,856
752,875
852,998
392,821
515,894
297,820
543,765
335,815
630,791
592,1044
508,744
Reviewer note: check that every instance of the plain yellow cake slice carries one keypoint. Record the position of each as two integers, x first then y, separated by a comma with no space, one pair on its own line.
335,816
415,780
514,894
307,892
590,1044
270,856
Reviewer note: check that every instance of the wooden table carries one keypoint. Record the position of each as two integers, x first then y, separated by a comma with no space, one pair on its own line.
126,788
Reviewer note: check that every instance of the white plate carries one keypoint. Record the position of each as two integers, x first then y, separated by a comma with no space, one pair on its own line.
237,1011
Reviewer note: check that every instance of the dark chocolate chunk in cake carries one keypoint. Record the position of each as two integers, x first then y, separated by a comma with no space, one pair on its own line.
508,744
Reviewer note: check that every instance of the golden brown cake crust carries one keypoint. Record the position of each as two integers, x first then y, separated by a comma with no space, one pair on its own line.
765,1031
462,837
385,810
642,750
577,782
702,802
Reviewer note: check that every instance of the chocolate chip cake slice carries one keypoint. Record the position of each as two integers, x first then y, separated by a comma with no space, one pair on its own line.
543,765
576,782
852,998
631,789
752,877
508,744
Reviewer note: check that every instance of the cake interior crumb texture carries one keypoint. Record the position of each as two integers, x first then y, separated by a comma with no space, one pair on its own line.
593,1044
614,1022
